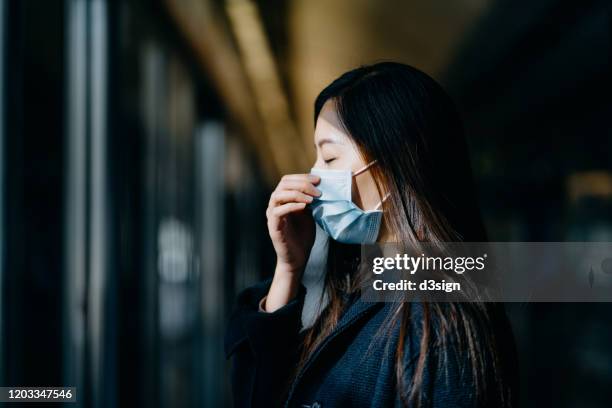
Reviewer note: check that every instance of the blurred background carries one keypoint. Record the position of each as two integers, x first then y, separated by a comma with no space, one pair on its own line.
140,139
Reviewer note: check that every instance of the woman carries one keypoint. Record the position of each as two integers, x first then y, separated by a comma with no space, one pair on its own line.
391,166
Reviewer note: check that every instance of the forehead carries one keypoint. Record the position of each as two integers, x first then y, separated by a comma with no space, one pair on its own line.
329,126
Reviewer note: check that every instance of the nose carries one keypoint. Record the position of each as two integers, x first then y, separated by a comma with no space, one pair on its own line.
318,163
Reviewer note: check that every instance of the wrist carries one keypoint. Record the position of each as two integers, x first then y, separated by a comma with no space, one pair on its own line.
289,271
284,288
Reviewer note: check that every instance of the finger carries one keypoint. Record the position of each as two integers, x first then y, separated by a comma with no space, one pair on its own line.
289,196
311,178
288,208
303,186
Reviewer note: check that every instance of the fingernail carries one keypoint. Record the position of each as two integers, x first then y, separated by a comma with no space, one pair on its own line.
318,192
309,199
313,177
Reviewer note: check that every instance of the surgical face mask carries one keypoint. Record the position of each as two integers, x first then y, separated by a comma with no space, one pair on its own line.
335,212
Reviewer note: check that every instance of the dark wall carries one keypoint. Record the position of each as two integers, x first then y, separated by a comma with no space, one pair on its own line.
533,83
34,192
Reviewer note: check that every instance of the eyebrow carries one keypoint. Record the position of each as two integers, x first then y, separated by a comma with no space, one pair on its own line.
326,140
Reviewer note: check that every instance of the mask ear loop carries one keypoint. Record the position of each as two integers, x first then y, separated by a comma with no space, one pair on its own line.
364,168
382,201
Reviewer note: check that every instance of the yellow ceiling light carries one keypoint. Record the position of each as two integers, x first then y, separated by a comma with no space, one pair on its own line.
280,130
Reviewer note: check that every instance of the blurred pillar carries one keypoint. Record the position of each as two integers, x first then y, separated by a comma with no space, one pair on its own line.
87,361
152,100
210,182
75,213
99,206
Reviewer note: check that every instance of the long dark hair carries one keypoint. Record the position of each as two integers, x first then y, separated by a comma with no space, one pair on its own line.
401,117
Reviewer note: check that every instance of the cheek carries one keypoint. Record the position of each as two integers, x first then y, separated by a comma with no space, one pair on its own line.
352,160
342,163
365,194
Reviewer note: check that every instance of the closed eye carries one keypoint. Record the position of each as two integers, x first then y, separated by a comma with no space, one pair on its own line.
329,160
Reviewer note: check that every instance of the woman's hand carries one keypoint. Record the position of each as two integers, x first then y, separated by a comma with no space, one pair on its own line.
290,225
292,231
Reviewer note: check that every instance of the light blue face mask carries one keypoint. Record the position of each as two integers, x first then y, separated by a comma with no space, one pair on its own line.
335,212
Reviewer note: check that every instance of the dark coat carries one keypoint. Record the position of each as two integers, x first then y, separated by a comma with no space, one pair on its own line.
351,368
